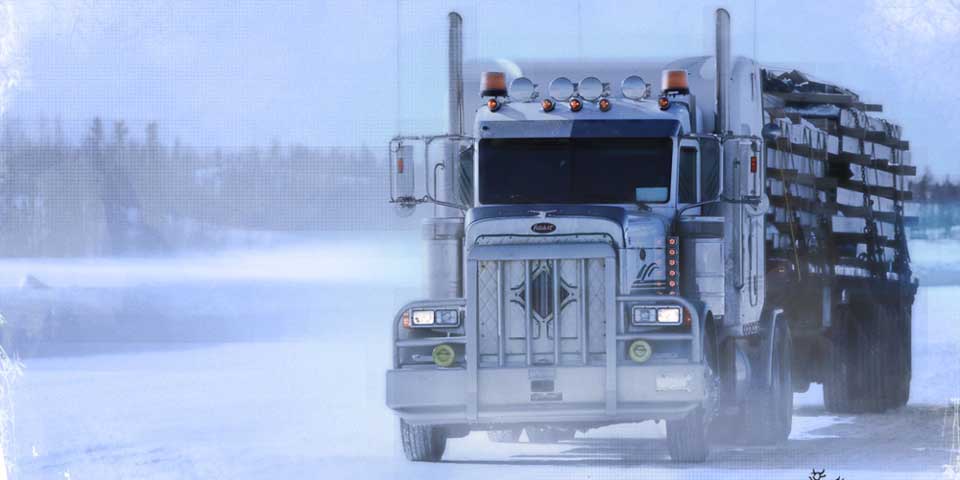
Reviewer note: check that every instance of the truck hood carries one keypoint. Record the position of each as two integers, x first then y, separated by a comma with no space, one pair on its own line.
621,226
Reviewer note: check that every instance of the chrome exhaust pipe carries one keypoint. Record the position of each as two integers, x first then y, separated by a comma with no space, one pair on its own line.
722,57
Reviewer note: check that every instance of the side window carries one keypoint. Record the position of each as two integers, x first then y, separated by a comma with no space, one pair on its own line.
687,190
709,170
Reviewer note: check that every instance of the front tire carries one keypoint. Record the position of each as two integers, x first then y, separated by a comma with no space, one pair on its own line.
688,438
769,414
422,443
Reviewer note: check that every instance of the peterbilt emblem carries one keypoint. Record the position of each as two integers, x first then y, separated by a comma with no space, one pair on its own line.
543,227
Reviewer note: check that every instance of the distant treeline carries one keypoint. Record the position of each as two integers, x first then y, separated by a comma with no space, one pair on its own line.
937,204
119,193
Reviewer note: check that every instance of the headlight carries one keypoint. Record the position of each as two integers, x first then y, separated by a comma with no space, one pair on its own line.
436,318
668,315
647,315
422,318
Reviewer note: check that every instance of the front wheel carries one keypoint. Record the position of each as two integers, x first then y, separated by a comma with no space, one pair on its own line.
422,443
769,413
688,438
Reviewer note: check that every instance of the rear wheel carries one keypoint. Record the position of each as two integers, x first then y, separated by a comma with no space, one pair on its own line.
899,348
858,371
505,436
422,443
837,392
769,413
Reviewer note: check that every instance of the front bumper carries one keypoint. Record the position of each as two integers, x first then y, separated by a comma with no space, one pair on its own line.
505,396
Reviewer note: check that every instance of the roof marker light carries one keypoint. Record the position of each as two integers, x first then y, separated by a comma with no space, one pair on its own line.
547,105
664,103
604,105
575,105
493,104
493,84
675,81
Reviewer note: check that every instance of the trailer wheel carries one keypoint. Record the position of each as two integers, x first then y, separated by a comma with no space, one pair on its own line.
769,414
900,355
837,394
422,443
688,438
855,380
505,436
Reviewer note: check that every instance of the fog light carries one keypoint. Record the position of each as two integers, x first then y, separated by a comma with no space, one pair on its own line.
640,351
443,355
643,315
447,317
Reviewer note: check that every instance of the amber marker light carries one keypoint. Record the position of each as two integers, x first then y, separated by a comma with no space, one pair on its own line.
547,105
664,103
493,84
604,105
493,104
575,105
675,81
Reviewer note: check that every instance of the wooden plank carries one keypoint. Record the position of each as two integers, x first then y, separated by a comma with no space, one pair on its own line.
904,170
805,179
864,212
812,98
885,192
803,204
854,158
871,136
782,174
801,149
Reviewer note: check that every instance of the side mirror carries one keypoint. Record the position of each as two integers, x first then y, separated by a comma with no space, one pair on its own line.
772,133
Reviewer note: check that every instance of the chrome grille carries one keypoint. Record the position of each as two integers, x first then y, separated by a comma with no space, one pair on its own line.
540,311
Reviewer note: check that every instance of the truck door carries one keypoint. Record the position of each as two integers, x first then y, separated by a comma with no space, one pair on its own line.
753,211
744,231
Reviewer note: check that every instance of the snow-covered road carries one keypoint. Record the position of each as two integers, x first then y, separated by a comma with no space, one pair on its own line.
314,409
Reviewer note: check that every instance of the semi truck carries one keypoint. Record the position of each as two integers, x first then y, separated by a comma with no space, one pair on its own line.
693,251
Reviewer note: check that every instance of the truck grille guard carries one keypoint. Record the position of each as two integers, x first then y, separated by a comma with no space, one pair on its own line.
615,332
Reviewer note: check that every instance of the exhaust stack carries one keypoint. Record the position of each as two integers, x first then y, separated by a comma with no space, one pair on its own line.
455,73
443,233
722,57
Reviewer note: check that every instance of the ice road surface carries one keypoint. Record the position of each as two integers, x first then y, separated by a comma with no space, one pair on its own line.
314,408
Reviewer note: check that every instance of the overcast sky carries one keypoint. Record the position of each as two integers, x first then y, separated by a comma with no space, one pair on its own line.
228,73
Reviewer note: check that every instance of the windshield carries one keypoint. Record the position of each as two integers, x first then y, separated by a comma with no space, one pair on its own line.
575,170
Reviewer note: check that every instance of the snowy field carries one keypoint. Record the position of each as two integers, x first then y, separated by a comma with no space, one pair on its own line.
314,407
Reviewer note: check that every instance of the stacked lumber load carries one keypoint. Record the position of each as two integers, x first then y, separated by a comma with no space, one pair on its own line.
837,180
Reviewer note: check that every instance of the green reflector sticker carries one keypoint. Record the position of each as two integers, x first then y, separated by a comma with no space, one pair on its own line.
443,355
640,351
